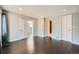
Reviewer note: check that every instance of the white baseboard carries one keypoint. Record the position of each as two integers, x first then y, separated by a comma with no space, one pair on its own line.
68,41
16,39
75,43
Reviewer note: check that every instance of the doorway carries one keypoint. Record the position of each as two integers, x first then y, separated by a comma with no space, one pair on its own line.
48,28
30,28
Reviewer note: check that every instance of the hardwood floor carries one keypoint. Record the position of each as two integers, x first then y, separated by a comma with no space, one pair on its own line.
38,45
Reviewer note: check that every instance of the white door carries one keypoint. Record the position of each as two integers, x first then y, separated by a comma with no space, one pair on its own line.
67,28
30,28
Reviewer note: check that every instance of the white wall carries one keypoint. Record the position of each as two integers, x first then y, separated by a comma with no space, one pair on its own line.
35,27
16,26
76,28
56,28
41,27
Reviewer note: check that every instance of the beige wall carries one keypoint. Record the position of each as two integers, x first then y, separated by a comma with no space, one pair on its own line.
18,26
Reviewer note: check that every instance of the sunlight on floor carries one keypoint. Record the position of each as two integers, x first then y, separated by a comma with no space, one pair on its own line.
30,44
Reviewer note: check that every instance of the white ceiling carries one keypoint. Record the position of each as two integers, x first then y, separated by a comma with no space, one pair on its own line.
42,10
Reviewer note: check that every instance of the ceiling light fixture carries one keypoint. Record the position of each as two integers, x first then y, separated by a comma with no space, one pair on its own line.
65,9
20,9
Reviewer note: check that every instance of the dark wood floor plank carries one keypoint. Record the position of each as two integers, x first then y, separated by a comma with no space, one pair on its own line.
39,45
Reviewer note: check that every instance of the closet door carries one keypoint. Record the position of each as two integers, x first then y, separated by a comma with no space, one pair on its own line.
67,28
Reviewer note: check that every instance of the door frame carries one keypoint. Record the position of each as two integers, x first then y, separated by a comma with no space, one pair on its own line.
32,26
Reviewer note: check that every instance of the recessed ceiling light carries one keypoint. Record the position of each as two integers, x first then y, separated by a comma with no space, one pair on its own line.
65,9
20,9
